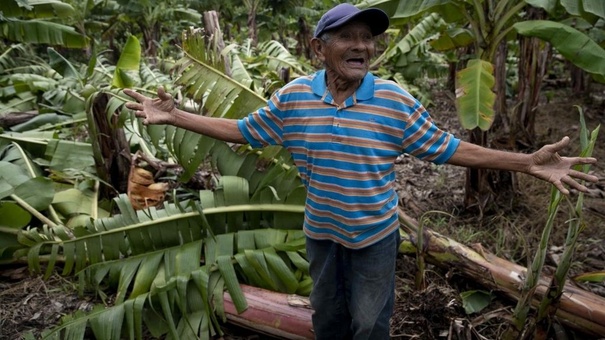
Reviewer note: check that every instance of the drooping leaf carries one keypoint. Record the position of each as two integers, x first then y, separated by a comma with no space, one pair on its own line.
145,274
227,270
400,11
595,7
127,68
547,5
579,8
474,95
37,9
574,45
41,32
60,64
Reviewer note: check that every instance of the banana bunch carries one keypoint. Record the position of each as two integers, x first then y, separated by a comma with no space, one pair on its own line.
143,191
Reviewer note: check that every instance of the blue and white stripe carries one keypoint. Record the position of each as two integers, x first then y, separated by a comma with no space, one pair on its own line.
345,154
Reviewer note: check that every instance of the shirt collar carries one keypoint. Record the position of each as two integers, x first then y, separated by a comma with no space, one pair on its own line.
364,92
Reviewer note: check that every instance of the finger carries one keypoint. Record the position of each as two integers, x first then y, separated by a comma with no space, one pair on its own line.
140,114
163,95
559,185
137,96
560,145
570,182
583,176
583,160
134,106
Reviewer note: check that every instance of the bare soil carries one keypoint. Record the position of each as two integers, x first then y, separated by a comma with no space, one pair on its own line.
510,228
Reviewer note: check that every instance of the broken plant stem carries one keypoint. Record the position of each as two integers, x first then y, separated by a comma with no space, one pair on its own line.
33,211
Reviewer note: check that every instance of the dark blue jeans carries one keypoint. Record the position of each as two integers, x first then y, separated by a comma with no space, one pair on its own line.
353,290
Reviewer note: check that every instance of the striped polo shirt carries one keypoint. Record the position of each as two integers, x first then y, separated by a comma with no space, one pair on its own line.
345,154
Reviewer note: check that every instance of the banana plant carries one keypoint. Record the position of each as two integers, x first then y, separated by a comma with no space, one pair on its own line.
201,87
54,90
489,23
247,228
520,327
147,17
412,59
58,89
169,267
264,68
480,27
30,22
113,251
30,199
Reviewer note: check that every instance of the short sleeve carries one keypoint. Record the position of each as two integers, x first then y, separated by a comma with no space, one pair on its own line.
264,126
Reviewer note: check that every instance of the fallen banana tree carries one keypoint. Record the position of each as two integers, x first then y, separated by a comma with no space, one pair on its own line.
289,316
577,308
286,316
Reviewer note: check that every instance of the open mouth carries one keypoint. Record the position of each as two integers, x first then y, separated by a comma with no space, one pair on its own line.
356,61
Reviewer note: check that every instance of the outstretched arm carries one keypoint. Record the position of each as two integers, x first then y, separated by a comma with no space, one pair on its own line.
545,164
162,110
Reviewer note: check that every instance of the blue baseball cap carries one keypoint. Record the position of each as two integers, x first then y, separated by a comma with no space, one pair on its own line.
341,14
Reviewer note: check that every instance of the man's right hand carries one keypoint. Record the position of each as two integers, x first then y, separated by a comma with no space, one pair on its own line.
160,110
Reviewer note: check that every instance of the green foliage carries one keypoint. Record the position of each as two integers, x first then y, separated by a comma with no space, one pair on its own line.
28,23
147,256
574,45
128,64
55,88
485,26
576,225
475,98
409,59
247,228
169,267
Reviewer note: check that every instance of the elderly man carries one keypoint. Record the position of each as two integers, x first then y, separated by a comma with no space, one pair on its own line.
344,128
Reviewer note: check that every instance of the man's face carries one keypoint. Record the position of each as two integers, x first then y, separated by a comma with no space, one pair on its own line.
347,51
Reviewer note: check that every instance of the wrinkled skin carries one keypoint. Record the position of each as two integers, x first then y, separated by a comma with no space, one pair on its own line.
346,53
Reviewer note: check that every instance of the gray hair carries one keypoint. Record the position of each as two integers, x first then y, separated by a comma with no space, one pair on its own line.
325,36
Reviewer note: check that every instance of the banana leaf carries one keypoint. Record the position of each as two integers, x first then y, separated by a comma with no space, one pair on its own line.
156,260
474,95
37,9
574,45
127,68
41,32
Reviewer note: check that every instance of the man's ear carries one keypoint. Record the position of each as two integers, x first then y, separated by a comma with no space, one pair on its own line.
318,48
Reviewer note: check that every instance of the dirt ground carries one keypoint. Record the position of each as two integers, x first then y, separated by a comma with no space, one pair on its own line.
510,229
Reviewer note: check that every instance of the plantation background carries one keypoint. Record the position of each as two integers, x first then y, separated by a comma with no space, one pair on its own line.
68,149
